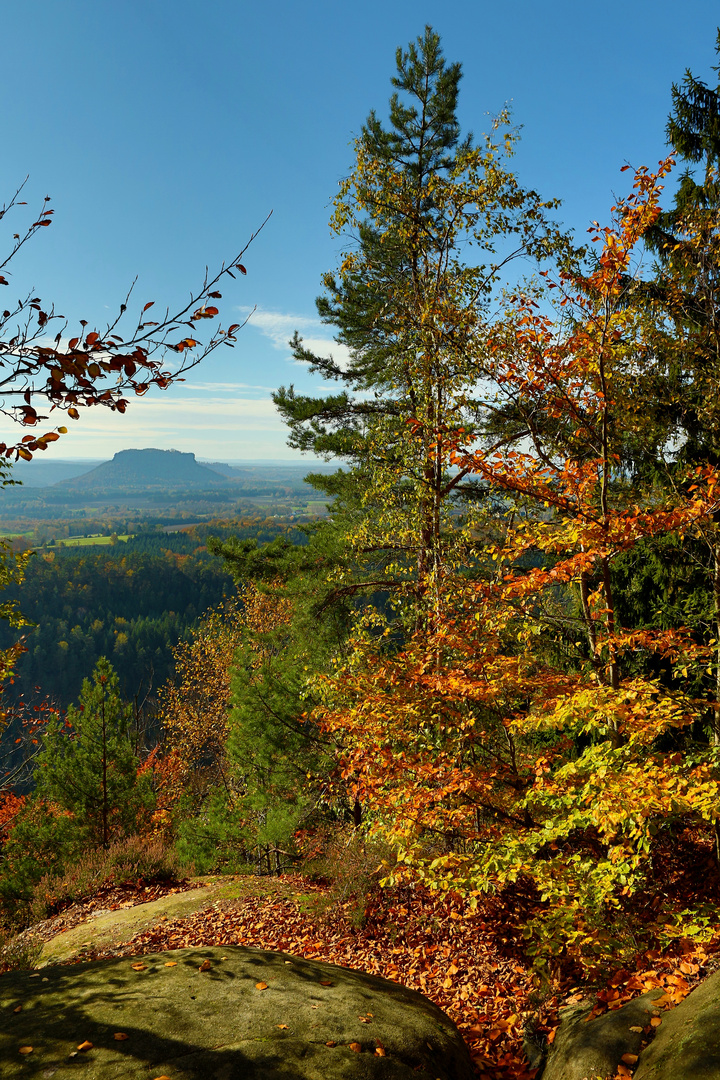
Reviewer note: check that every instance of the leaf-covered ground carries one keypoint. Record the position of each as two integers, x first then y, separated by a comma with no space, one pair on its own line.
470,965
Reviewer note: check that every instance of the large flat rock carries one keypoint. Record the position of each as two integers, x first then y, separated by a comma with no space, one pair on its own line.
184,1023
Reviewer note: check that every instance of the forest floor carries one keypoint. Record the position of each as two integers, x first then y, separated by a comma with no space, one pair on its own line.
471,965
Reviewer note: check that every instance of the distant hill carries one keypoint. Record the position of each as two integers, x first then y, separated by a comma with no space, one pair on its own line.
161,485
221,468
146,469
41,473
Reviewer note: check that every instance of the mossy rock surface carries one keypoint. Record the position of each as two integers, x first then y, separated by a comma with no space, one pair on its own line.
687,1043
103,931
184,1023
585,1049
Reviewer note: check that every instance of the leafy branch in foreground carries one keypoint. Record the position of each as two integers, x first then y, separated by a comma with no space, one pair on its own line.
96,367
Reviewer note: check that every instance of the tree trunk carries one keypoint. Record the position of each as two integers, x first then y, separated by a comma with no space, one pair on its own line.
104,779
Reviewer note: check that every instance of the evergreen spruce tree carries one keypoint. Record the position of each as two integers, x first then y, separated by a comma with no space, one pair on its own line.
685,290
434,222
88,766
693,131
682,300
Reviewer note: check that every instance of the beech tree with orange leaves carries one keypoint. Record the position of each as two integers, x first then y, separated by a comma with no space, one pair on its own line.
509,739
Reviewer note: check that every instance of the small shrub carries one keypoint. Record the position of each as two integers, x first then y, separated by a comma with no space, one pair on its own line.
19,952
131,861
352,864
41,843
214,840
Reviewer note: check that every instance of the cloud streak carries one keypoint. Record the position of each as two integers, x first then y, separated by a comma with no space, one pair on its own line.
221,424
279,328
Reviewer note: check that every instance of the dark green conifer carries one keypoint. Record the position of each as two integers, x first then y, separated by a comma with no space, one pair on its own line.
88,766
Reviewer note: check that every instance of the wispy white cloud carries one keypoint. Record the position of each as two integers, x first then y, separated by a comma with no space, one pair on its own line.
279,327
222,424
227,387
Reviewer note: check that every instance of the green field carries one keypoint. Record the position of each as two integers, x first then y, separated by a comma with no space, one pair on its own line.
88,541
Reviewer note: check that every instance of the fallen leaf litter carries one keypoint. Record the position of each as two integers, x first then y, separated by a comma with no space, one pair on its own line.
470,965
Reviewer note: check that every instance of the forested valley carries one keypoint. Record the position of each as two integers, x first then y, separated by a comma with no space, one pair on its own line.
132,601
473,712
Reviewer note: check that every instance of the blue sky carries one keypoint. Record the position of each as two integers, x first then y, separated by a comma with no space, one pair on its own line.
166,131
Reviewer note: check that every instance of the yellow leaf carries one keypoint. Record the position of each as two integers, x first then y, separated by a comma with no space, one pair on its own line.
261,986
86,1045
119,1036
26,1049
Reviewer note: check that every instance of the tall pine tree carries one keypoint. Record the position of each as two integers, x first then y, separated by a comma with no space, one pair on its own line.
411,307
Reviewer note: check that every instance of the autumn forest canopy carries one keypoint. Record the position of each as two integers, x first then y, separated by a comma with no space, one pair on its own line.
496,662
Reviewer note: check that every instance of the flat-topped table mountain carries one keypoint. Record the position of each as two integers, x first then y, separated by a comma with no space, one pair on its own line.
147,468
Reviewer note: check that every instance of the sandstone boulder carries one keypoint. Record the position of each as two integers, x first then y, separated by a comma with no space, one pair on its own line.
687,1043
586,1049
226,1014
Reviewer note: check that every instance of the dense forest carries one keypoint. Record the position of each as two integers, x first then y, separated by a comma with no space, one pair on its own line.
131,601
496,664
